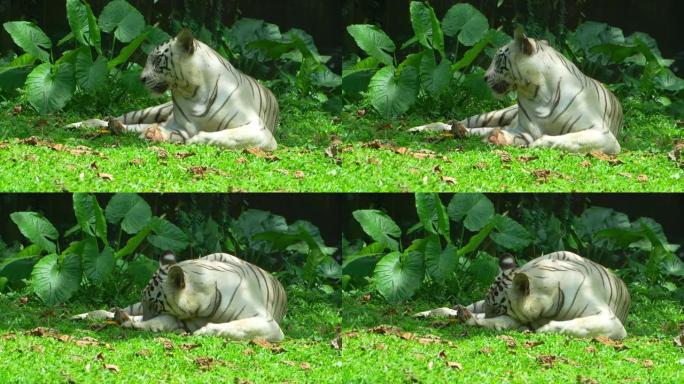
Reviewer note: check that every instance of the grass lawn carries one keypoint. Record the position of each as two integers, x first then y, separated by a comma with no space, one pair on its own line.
402,161
405,349
368,154
73,351
58,159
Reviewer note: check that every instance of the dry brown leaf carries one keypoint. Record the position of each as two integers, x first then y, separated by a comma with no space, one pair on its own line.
486,351
23,300
361,113
679,340
642,178
87,341
610,343
206,363
299,174
351,334
380,346
548,361
429,339
168,345
532,344
16,110
268,345
503,155
289,362
105,176
454,364
99,356
42,331
366,298
449,180
625,174
585,164
442,354
676,154
161,152
8,336
480,165
241,160
136,162
336,342
610,159
333,151
144,353
527,159
112,368
258,152
385,330
305,366
184,155
38,348
647,363
406,335
400,150
189,346
542,175
590,349
510,342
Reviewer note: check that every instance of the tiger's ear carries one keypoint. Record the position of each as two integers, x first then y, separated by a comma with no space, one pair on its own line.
521,283
523,41
186,41
177,277
506,261
168,258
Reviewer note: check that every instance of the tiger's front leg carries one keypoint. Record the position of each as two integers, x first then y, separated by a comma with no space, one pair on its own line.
581,142
244,329
602,324
251,135
161,323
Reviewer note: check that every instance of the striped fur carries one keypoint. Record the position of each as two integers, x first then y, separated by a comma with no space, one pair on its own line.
218,294
558,106
211,101
559,292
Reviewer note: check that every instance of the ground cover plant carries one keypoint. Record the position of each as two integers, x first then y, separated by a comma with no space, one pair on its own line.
42,344
437,75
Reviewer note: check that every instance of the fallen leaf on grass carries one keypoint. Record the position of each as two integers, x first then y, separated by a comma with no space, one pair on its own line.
207,363
380,346
486,351
136,162
112,368
351,334
23,300
184,155
333,150
625,174
385,330
267,345
480,165
642,178
503,155
676,154
4,144
548,361
454,364
38,348
258,152
585,164
144,353
8,336
510,342
527,159
610,343
161,152
610,159
336,342
241,160
42,331
16,110
87,341
542,175
189,346
590,349
532,344
105,176
299,174
449,180
679,340
429,339
366,298
442,354
406,335
168,345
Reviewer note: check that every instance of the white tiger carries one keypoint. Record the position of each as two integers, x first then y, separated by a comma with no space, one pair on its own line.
560,292
558,106
212,102
218,295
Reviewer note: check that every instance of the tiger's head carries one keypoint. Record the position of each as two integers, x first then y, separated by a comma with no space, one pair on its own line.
496,302
514,65
153,294
169,65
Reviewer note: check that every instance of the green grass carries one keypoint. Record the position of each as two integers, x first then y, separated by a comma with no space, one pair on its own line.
450,164
410,355
306,356
135,165
405,162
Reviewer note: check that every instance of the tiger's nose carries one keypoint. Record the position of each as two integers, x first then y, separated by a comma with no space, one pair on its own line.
144,78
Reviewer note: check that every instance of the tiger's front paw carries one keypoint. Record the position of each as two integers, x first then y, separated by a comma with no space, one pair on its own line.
551,327
155,133
458,129
463,314
120,316
115,126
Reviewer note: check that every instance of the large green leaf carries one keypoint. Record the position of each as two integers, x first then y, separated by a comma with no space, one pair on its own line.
50,87
37,229
129,209
97,265
55,278
393,93
122,18
509,234
432,214
127,51
476,208
167,236
93,37
30,38
434,78
373,41
426,26
379,227
89,215
440,263
398,276
141,270
133,243
77,15
467,22
91,76
483,268
476,239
